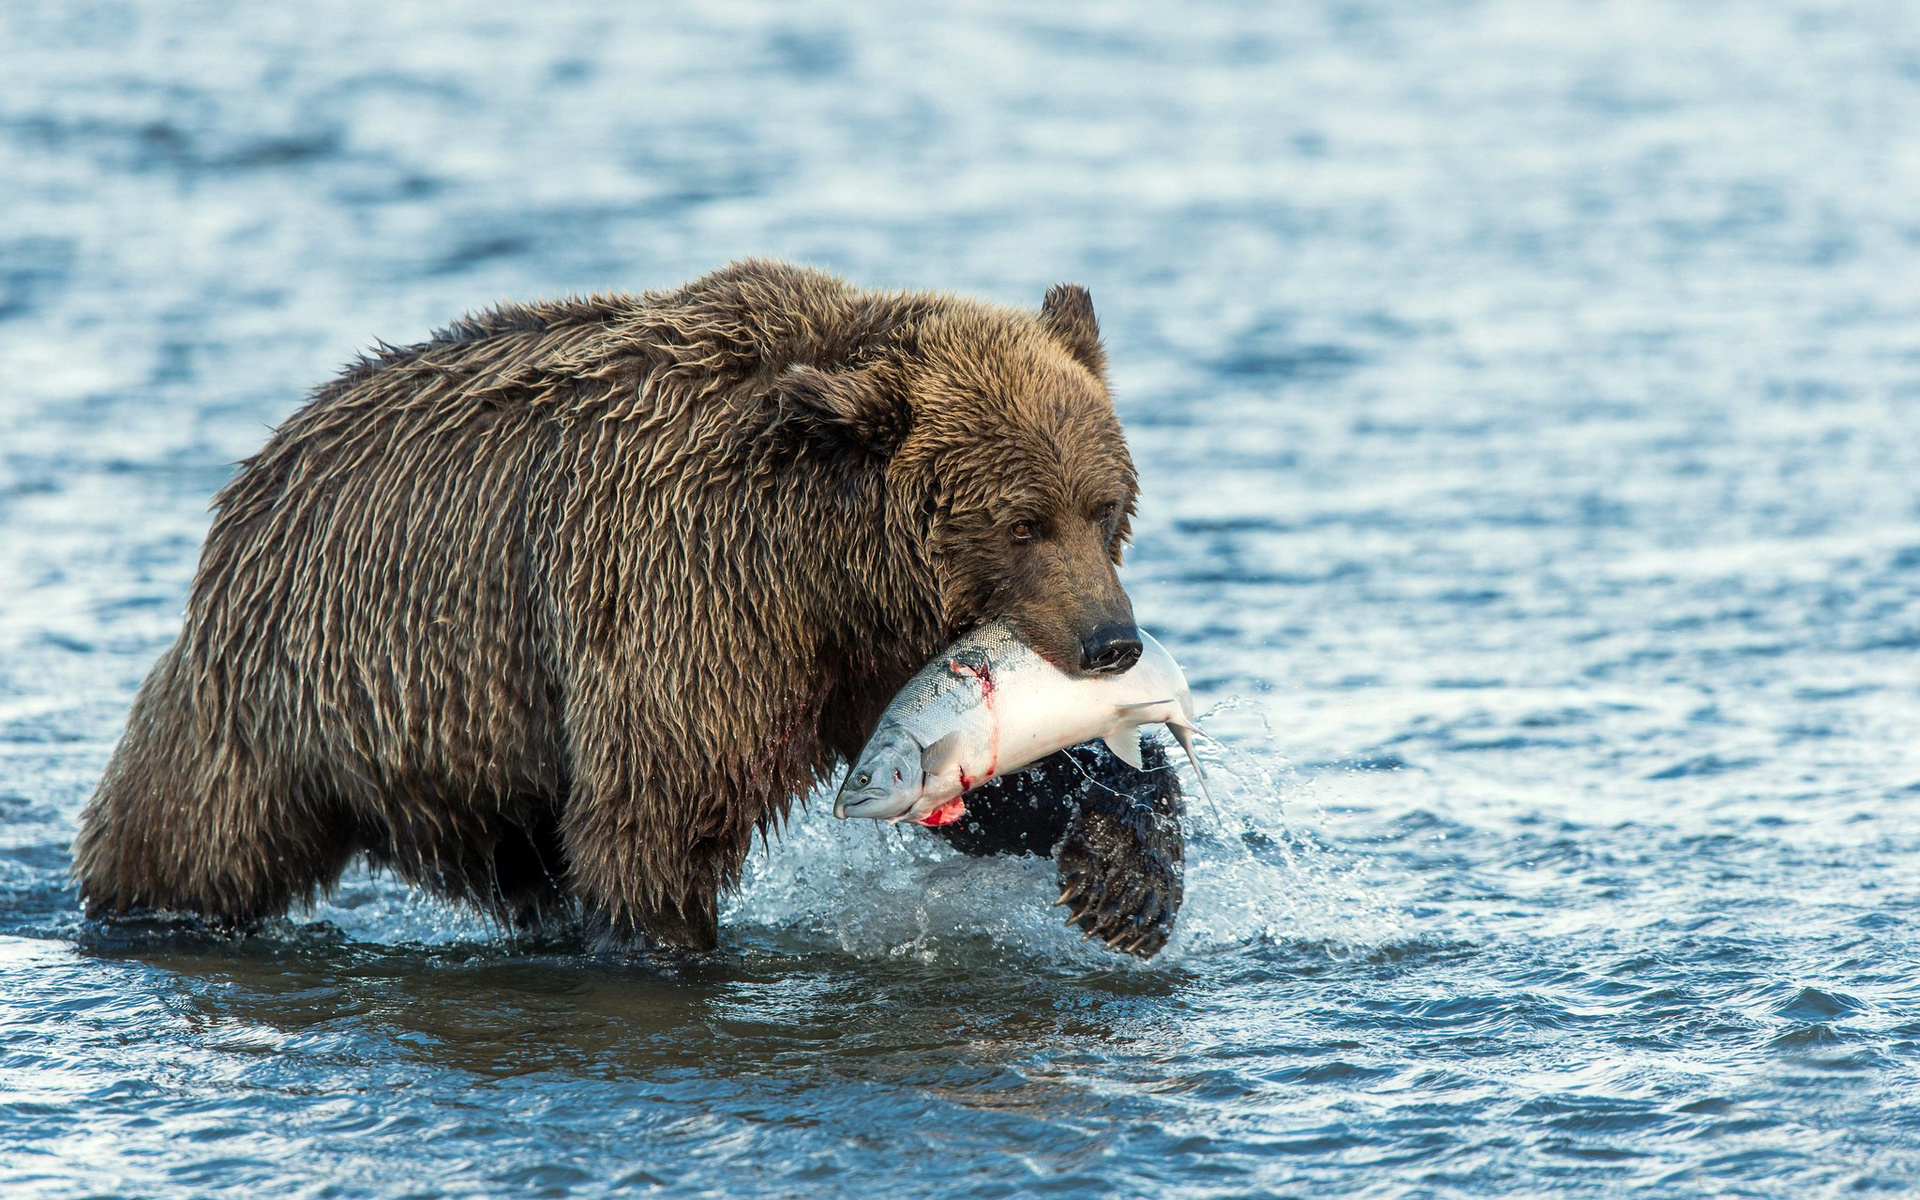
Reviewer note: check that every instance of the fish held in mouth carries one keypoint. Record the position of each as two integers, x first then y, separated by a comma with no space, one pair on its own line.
988,705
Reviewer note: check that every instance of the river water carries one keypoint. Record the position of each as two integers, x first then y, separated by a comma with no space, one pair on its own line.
1525,395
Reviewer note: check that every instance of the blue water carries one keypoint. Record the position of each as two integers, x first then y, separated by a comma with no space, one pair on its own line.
1527,397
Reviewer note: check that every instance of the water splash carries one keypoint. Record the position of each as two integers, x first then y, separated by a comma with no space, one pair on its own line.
374,906
1261,870
1257,875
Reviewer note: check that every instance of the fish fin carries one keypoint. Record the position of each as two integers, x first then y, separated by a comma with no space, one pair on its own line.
943,755
1142,704
1186,722
1183,733
1125,744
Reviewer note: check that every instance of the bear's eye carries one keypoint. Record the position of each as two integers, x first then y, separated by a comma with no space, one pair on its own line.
1023,531
1105,512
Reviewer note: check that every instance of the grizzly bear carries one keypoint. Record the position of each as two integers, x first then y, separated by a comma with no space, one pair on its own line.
554,611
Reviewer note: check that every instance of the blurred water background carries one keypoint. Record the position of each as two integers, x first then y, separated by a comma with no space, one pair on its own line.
1525,396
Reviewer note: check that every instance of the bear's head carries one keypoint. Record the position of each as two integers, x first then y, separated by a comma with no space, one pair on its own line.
1003,461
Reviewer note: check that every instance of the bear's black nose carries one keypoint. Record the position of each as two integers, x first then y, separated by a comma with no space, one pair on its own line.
1110,649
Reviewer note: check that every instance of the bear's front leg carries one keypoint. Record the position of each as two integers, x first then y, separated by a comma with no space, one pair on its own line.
662,927
1113,832
646,859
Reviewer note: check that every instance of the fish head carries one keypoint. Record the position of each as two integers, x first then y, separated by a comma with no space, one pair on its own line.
887,779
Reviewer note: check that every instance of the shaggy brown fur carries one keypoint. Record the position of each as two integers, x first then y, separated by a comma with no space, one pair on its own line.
572,599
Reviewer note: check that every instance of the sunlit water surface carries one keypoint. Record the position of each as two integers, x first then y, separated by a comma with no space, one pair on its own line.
1525,399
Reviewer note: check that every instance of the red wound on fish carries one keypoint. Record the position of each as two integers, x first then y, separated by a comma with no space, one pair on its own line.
946,814
983,673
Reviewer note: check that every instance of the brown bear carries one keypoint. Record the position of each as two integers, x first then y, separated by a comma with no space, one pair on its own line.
554,611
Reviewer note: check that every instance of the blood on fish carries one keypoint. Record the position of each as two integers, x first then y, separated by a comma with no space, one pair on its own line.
983,673
946,814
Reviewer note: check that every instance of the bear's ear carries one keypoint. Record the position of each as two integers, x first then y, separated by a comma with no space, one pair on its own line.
843,406
1067,314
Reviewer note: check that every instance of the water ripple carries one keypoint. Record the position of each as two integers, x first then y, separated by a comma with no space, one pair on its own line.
1522,398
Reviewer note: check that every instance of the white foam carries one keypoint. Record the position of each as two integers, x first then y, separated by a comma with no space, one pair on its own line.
1257,873
375,906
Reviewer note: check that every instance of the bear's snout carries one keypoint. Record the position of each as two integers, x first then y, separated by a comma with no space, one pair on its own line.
1110,648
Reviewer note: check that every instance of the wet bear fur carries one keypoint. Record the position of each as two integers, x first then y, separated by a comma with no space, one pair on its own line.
553,612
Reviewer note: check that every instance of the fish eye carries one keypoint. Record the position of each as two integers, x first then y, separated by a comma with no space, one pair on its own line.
863,779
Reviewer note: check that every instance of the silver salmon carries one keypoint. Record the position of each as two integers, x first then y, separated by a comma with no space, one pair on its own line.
988,706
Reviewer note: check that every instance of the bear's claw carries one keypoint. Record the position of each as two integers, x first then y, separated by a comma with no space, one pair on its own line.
1113,832
1120,869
